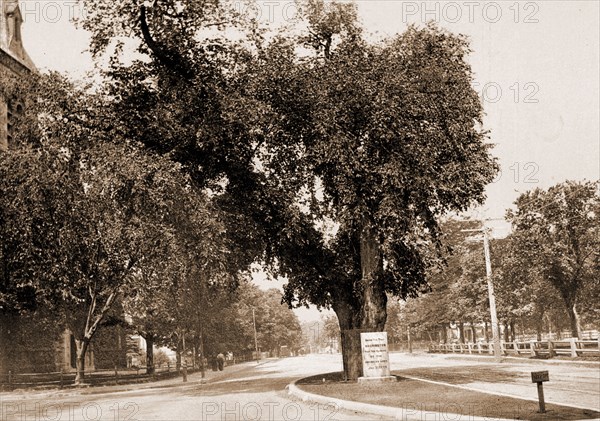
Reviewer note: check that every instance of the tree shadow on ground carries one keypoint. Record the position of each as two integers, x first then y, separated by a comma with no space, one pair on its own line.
448,402
266,381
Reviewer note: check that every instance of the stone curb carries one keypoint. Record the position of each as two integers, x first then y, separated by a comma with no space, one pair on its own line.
380,410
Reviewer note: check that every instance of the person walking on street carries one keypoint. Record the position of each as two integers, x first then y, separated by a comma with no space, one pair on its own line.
221,361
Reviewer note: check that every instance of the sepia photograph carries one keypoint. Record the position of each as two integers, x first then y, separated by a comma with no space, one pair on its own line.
299,210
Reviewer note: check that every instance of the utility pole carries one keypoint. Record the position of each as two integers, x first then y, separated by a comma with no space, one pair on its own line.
255,338
491,296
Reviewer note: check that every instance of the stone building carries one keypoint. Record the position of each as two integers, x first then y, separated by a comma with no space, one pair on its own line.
32,342
14,61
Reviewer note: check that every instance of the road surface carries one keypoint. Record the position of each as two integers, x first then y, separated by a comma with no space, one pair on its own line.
243,392
257,392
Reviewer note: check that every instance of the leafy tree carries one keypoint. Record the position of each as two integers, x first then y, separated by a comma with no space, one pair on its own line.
381,140
89,208
556,232
390,134
170,295
276,324
185,99
457,291
331,330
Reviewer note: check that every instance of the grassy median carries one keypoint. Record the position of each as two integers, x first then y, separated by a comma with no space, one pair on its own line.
414,395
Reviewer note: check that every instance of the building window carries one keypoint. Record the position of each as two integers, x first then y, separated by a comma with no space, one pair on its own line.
14,111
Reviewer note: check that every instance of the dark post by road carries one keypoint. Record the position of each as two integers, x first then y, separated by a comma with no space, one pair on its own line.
540,377
409,339
540,388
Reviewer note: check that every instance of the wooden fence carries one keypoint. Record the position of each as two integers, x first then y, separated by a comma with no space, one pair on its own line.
571,347
59,379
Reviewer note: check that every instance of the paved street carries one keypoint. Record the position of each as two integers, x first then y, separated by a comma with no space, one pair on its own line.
257,392
247,391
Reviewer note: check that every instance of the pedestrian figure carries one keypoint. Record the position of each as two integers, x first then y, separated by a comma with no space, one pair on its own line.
221,361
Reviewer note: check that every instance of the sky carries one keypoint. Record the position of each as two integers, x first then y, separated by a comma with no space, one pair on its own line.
536,67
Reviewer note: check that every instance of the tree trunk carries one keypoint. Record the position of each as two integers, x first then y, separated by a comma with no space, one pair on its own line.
461,332
178,355
81,346
474,332
574,322
444,333
351,350
374,312
149,354
539,325
366,313
184,352
485,331
506,332
352,353
201,347
513,334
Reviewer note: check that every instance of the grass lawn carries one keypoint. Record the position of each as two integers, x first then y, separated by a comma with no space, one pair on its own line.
414,395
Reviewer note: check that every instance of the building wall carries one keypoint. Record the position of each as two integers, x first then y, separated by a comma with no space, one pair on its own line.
14,60
28,344
31,343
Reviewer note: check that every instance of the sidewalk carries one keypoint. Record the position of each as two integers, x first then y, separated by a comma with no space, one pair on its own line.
194,379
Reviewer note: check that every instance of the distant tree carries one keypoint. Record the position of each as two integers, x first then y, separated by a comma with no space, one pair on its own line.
276,324
170,296
331,330
556,231
312,333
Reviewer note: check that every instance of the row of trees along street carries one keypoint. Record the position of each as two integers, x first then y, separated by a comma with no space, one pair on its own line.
326,158
93,227
545,273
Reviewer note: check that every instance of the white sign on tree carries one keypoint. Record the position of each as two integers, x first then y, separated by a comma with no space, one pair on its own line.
376,364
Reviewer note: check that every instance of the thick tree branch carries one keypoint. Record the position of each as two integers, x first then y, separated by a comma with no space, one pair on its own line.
170,59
